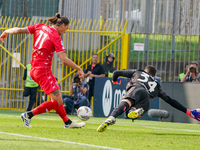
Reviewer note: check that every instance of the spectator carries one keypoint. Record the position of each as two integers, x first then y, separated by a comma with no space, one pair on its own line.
108,65
181,75
30,87
192,74
93,70
78,92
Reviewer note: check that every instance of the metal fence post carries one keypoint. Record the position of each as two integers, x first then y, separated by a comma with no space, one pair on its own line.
174,30
173,38
147,30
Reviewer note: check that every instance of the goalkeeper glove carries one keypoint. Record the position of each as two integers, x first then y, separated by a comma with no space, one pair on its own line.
118,81
195,114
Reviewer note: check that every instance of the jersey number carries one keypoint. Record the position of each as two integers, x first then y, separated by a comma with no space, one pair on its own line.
145,75
40,39
152,84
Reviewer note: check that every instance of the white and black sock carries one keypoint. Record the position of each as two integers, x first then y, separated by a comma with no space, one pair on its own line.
123,106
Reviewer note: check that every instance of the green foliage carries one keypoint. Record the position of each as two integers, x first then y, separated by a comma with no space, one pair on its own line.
151,135
160,48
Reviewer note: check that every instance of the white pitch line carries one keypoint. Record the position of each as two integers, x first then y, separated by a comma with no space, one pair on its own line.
54,140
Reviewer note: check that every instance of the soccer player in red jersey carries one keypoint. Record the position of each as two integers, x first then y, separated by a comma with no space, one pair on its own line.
46,41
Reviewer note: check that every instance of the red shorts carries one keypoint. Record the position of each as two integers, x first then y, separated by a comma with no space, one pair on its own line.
45,79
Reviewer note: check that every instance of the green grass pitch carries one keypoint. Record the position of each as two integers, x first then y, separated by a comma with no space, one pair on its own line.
48,133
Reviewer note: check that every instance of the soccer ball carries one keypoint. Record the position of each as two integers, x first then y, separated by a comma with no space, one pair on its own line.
84,113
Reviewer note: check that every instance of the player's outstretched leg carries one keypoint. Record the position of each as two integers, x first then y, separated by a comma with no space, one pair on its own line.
26,120
109,121
134,114
60,110
75,125
195,114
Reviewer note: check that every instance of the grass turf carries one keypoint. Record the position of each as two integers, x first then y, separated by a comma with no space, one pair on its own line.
48,132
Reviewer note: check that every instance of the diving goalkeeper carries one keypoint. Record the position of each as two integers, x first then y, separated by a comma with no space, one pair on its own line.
140,90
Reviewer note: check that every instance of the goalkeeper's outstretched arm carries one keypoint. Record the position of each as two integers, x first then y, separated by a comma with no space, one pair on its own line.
195,114
125,73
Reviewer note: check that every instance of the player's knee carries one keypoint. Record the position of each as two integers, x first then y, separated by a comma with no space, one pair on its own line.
60,102
129,101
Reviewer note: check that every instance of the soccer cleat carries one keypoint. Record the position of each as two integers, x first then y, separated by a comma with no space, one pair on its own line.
195,114
136,113
109,121
75,125
25,120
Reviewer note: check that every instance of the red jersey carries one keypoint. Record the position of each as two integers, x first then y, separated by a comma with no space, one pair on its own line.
46,41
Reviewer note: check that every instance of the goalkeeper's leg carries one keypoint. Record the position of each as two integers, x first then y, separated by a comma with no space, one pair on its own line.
135,113
137,93
122,107
141,107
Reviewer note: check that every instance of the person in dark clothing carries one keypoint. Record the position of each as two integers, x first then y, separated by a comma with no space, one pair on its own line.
108,65
192,74
93,70
78,95
30,87
140,90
